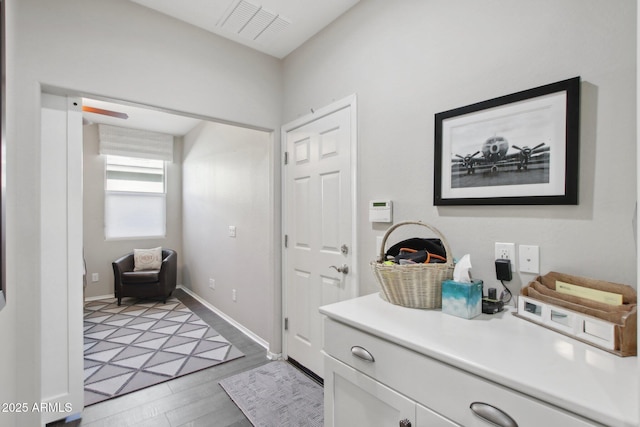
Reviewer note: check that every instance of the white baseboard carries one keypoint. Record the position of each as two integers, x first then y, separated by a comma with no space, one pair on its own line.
99,297
274,356
242,329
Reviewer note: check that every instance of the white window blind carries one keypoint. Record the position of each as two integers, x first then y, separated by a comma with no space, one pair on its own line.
143,144
132,174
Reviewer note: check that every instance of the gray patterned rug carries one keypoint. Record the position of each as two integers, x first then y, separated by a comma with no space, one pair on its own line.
277,395
143,343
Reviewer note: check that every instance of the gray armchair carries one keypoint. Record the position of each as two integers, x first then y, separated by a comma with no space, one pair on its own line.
148,283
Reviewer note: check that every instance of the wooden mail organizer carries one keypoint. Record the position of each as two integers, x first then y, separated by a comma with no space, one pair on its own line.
610,327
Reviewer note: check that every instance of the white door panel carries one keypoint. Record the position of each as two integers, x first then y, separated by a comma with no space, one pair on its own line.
318,206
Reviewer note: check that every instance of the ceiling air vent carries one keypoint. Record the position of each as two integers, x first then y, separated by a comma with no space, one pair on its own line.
253,22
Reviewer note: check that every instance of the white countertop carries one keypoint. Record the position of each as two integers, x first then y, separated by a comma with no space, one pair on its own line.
509,351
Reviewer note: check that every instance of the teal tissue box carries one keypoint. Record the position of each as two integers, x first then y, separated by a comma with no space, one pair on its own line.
462,299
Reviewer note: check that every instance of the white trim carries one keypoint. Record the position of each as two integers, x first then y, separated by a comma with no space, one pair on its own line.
234,323
274,254
62,376
355,289
274,356
75,256
347,102
99,297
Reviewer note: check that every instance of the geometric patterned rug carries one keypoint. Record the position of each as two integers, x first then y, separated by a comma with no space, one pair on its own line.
141,343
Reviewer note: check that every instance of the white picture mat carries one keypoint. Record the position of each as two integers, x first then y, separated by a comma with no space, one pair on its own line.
524,123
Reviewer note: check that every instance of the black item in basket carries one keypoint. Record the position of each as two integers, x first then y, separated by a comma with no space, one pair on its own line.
413,285
422,246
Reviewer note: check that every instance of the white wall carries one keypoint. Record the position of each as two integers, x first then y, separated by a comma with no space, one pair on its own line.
226,173
122,51
98,252
409,60
405,60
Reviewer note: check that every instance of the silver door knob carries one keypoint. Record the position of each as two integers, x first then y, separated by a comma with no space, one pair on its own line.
344,268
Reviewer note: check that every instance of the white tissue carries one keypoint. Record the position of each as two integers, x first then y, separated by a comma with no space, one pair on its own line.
461,270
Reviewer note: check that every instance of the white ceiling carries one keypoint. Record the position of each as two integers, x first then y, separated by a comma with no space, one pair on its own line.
275,27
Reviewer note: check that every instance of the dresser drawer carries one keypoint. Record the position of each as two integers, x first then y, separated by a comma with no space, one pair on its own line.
444,389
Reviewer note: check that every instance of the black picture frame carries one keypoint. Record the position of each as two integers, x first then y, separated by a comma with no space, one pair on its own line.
518,149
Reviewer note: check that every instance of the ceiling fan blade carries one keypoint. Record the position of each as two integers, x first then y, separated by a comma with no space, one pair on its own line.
110,113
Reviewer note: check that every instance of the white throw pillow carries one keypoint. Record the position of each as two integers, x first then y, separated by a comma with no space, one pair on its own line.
147,259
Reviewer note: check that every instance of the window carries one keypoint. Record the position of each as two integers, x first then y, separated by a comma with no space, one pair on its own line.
135,197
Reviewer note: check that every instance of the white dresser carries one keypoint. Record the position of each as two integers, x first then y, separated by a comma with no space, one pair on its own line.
385,364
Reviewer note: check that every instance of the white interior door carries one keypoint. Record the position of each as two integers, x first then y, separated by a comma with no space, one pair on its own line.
319,204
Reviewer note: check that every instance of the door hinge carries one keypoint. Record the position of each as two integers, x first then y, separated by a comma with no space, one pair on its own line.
286,240
286,323
286,157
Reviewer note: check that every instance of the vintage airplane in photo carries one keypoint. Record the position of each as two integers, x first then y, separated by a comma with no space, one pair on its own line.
495,152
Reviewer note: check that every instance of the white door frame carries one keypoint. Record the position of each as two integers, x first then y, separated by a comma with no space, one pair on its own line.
61,360
348,102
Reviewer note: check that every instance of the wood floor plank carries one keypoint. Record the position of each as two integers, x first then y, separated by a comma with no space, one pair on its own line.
129,401
192,400
227,416
211,405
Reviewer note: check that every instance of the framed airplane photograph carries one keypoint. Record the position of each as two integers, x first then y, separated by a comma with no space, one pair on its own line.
518,149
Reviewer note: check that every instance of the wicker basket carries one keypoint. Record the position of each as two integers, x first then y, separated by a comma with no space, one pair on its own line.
414,285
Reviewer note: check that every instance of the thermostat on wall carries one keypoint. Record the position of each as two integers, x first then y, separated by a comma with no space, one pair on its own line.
380,211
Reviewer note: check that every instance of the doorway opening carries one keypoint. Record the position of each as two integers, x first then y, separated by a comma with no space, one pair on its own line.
220,179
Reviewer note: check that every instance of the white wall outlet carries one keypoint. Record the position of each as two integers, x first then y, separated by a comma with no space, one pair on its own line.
234,295
212,283
232,231
95,277
506,251
529,257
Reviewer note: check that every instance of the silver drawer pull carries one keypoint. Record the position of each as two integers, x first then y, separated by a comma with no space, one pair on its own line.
492,414
363,354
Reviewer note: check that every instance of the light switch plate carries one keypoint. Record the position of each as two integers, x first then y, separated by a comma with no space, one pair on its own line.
232,231
529,259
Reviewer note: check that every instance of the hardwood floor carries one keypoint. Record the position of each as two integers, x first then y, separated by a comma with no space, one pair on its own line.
194,400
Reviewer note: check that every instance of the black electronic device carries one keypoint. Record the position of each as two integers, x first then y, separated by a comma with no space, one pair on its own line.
491,306
503,269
